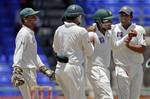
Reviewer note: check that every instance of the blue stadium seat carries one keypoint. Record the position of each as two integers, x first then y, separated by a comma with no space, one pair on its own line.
5,69
43,58
3,59
8,31
146,10
96,0
44,80
136,11
136,20
10,58
41,78
115,10
5,79
9,91
125,1
111,1
144,1
147,21
115,20
90,10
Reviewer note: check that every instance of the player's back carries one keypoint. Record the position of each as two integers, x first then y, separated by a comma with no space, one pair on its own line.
68,42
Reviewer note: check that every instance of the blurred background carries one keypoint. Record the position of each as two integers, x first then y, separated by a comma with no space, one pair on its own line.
50,15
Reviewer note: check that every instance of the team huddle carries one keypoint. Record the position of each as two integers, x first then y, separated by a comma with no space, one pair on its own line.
76,46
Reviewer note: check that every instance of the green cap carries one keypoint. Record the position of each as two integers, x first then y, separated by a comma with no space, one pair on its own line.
28,12
73,10
102,14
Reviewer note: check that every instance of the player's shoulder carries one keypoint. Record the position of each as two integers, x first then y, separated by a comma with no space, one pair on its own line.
80,30
140,29
91,28
23,33
139,26
115,25
91,34
59,27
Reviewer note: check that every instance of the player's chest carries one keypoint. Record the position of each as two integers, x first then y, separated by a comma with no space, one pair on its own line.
103,42
120,34
32,42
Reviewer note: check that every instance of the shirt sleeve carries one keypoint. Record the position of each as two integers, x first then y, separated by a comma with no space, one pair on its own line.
56,42
141,36
87,45
21,44
40,63
117,43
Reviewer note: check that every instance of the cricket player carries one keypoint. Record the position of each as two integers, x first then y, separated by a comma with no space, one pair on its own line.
97,68
129,45
26,59
71,44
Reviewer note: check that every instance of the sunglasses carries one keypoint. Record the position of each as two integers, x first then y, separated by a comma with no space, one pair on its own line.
107,21
124,15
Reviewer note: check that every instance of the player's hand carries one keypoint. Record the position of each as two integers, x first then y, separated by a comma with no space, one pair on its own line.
127,40
91,29
92,40
48,72
17,80
17,77
132,33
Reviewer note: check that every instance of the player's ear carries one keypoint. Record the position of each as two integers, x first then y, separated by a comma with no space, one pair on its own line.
25,20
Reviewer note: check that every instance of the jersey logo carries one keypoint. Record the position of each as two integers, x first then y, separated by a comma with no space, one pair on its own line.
120,34
101,39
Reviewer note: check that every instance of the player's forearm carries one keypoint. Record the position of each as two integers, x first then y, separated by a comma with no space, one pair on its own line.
40,63
117,44
136,48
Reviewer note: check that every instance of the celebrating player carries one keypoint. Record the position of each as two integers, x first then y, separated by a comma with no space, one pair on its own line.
128,51
97,66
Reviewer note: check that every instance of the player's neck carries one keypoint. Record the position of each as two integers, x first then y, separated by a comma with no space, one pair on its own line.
126,26
30,27
103,31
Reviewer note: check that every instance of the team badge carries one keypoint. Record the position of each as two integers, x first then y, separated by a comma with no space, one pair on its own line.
101,39
120,34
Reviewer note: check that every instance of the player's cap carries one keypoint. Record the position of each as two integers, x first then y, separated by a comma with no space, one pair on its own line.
126,10
102,14
74,10
28,12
